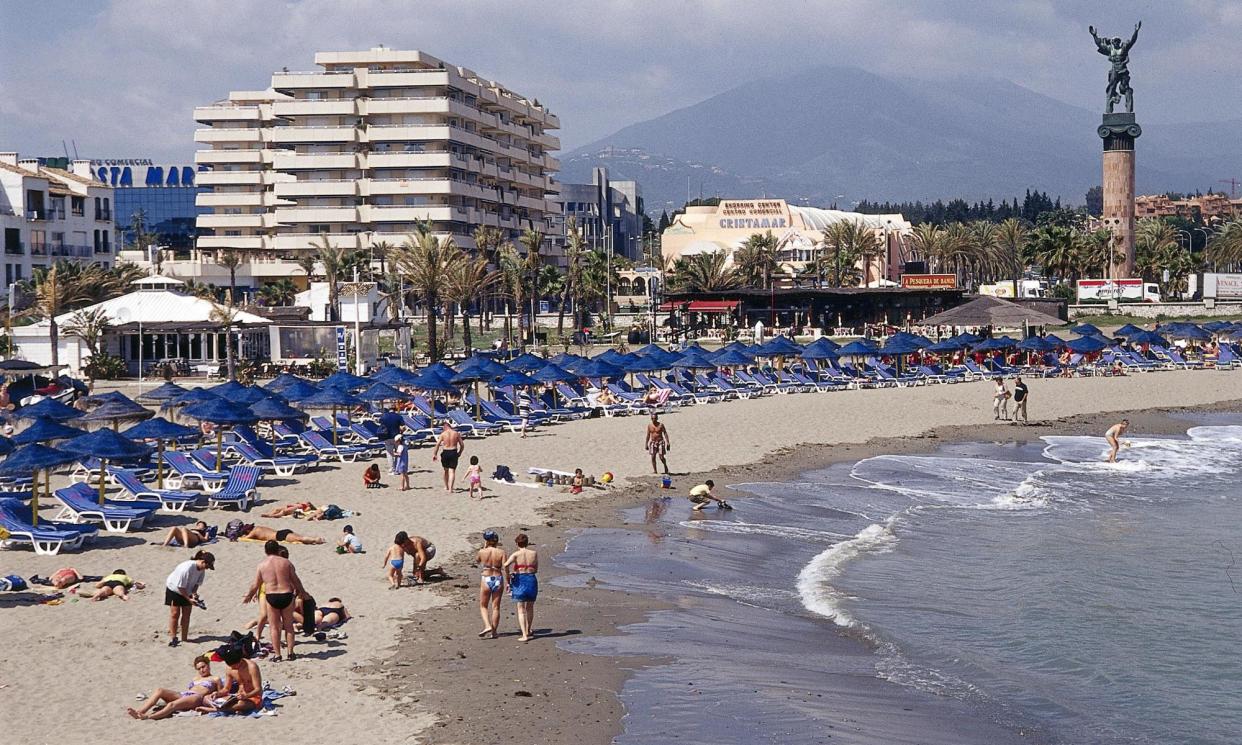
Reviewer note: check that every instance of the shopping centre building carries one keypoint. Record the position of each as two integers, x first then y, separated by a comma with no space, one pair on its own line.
359,152
799,232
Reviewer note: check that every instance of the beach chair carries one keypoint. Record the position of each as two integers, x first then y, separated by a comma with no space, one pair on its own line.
185,472
170,500
48,538
240,490
281,465
325,449
326,427
419,426
494,414
86,470
1176,358
559,406
468,425
79,506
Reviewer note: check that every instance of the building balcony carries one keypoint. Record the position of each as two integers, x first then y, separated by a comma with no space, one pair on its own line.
226,113
311,241
430,185
407,132
314,134
316,188
16,248
284,82
228,178
317,215
410,213
290,161
229,221
547,141
402,79
231,242
402,159
229,199
221,134
429,104
229,156
307,107
80,252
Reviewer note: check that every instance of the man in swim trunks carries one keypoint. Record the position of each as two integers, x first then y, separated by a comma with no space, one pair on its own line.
245,673
657,442
284,535
1112,435
702,496
423,551
448,449
282,585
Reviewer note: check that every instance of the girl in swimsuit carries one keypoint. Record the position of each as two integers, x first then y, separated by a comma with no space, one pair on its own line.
475,475
491,560
523,564
174,701
394,560
117,583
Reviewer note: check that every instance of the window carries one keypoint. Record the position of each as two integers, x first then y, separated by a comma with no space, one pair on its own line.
97,242
98,208
56,208
78,206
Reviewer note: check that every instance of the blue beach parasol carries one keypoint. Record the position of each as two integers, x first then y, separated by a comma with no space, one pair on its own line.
393,376
526,362
49,408
1085,329
163,393
116,409
343,379
1148,337
734,358
220,412
106,445
1127,330
992,345
46,430
1086,345
298,390
858,348
31,460
333,398
159,430
379,392
282,381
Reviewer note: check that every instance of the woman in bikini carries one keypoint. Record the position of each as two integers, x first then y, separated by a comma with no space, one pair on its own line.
187,537
290,510
187,700
523,565
491,560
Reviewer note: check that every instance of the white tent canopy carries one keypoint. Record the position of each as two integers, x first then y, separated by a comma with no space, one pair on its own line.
159,306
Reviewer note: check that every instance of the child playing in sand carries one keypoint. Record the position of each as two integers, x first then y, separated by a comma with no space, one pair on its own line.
575,485
349,543
394,560
475,475
371,477
403,464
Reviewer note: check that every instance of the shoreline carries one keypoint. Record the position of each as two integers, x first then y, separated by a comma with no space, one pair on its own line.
575,696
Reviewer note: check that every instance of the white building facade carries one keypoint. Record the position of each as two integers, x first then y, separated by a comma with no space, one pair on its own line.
52,214
359,152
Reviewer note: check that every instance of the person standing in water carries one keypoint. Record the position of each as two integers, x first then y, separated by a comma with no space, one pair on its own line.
1111,436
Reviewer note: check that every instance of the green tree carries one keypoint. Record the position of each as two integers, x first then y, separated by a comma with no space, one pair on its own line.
1012,239
56,290
230,260
469,278
703,272
1225,247
428,263
1055,249
755,260
575,246
336,261
89,326
279,293
846,247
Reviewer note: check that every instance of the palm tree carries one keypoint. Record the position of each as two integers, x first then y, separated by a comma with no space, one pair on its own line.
574,248
532,241
230,260
335,261
226,315
381,250
851,242
488,241
428,262
468,279
705,272
1012,238
56,290
1226,244
280,292
755,260
1054,249
307,262
1158,251
198,289
89,326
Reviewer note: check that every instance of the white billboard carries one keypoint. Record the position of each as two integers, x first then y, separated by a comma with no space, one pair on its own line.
1222,286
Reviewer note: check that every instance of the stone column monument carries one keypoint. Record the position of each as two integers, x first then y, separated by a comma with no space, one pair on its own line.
1119,131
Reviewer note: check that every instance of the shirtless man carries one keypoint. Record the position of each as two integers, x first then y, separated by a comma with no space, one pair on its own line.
423,551
284,535
657,442
281,587
448,449
245,673
1112,435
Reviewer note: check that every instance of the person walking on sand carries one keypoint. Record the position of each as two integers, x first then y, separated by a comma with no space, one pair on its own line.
181,593
402,466
282,586
390,429
1112,437
1020,396
448,449
1000,401
394,560
492,581
523,566
657,442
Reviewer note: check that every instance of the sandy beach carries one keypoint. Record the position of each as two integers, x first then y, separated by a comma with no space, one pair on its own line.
411,669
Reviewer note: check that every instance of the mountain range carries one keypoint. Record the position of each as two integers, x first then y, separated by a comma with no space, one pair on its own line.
840,134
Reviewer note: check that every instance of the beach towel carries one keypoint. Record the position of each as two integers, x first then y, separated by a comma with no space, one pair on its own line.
502,473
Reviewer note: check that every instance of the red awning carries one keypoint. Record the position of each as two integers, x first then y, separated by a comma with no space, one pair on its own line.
701,306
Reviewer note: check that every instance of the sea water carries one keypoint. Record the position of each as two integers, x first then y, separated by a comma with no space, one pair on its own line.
1032,587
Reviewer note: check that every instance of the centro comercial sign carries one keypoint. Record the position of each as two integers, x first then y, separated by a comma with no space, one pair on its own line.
753,214
139,172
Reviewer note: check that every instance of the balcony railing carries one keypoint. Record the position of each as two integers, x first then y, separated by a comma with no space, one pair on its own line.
38,248
79,251
15,249
103,214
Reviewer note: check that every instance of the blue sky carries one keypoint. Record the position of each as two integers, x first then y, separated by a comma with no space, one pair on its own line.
121,77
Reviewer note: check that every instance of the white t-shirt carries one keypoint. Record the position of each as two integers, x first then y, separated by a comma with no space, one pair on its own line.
186,578
352,541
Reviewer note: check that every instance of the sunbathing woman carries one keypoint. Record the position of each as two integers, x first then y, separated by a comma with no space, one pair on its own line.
187,537
262,533
326,616
174,701
117,583
290,510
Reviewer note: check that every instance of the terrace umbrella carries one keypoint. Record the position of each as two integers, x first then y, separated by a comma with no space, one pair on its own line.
1086,345
379,392
219,411
31,460
164,392
331,398
1085,329
46,430
1127,330
1148,337
272,409
160,430
344,380
551,373
279,383
298,391
115,410
106,445
992,345
733,358
393,376
526,362
51,409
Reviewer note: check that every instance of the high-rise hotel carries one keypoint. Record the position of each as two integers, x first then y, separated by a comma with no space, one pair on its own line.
358,153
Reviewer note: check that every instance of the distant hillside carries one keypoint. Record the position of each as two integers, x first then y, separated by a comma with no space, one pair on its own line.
842,134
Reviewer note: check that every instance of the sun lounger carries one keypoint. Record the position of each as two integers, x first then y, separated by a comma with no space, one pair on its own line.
170,500
48,537
185,472
325,449
79,506
281,465
466,424
240,490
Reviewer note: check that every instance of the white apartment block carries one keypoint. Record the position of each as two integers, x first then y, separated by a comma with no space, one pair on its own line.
358,153
50,214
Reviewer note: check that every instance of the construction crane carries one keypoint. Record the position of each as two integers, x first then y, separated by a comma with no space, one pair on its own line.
1233,186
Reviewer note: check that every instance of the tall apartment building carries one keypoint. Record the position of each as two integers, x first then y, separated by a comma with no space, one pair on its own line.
361,151
49,214
608,213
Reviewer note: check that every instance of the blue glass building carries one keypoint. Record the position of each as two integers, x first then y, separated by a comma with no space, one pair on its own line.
165,194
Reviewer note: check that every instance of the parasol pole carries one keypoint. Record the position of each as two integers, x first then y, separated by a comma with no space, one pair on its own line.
159,464
334,427
34,499
219,447
103,475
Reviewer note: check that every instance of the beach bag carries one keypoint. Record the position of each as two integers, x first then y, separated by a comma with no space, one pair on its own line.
238,646
234,530
502,473
333,512
212,532
15,583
